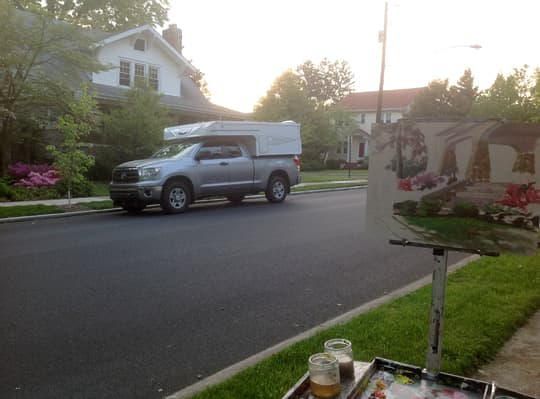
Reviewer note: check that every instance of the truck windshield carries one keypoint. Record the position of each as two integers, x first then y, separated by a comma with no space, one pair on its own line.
176,150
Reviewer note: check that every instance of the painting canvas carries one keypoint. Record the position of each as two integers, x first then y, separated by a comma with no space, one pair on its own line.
468,185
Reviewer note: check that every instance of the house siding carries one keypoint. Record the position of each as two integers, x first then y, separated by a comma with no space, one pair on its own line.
113,53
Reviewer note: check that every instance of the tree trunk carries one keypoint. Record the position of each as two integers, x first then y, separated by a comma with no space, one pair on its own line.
5,150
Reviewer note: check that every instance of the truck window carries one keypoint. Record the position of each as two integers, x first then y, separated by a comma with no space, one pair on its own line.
176,150
210,151
232,151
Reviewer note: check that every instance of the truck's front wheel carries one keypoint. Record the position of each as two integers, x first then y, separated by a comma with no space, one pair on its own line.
175,197
277,189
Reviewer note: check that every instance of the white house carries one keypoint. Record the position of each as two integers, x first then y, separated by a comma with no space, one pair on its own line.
142,54
363,108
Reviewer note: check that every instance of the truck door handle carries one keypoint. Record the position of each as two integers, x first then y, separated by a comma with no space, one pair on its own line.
224,163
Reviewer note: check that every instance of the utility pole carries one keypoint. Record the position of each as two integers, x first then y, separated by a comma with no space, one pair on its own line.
378,118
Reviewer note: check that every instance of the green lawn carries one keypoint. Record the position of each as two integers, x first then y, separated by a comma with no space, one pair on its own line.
332,175
486,301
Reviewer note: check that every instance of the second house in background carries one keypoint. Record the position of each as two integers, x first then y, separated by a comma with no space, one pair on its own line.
363,108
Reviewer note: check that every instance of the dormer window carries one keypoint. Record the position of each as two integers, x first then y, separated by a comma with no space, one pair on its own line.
140,45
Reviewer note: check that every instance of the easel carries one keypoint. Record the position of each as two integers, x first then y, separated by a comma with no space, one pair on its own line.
438,291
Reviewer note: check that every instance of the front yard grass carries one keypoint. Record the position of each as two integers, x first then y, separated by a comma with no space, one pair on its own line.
486,302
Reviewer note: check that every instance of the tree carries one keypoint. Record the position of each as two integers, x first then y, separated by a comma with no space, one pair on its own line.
135,130
71,161
463,95
286,100
40,61
440,100
433,101
327,83
107,15
198,78
514,97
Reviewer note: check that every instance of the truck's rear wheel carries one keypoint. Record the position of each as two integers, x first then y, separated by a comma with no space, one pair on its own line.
277,189
175,197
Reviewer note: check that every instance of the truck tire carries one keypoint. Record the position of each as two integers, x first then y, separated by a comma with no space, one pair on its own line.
236,198
277,189
175,197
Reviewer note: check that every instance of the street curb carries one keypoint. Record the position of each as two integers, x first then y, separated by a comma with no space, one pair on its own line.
94,211
234,369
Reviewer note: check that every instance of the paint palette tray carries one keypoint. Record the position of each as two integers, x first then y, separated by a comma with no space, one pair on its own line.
387,379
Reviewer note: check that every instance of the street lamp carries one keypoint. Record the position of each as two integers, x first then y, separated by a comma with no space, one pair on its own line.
382,37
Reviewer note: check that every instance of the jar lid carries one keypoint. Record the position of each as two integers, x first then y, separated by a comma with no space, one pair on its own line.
323,360
337,344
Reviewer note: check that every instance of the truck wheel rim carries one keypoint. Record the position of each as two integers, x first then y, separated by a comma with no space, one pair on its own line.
278,189
177,198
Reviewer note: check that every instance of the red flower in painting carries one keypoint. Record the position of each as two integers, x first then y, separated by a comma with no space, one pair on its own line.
520,195
405,184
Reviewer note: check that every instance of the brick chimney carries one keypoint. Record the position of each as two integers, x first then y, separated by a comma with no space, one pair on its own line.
173,35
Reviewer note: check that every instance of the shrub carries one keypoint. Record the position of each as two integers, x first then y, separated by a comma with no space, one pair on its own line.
467,209
491,209
79,189
312,165
429,207
406,208
27,175
333,164
19,193
5,190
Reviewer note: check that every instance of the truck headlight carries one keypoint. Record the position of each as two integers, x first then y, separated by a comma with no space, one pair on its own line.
149,173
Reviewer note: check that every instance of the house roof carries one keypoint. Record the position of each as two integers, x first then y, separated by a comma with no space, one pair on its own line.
191,102
111,38
392,99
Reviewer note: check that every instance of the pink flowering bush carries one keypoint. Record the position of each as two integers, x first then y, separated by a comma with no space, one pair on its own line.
36,179
420,182
26,175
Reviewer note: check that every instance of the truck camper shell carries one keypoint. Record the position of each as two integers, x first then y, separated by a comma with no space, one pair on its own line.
261,138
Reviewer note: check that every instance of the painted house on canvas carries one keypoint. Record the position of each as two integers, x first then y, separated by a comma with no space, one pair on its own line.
464,184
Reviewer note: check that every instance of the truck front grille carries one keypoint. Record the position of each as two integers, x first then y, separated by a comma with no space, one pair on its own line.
125,175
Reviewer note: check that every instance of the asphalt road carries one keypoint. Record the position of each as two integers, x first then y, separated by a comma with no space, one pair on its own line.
119,306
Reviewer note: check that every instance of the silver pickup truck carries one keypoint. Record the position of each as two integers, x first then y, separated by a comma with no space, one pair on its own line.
204,164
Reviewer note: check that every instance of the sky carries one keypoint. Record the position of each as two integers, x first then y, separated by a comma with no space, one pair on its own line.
242,46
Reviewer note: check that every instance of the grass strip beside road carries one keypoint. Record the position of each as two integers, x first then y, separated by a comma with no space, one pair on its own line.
486,302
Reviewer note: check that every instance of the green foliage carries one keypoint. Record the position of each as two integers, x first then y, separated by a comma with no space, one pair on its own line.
5,190
327,83
304,97
466,209
333,164
406,208
28,210
312,165
493,208
80,188
70,160
514,97
135,130
439,100
107,15
32,193
40,59
428,207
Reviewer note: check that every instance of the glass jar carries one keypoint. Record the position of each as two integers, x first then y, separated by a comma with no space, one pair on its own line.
324,375
342,350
